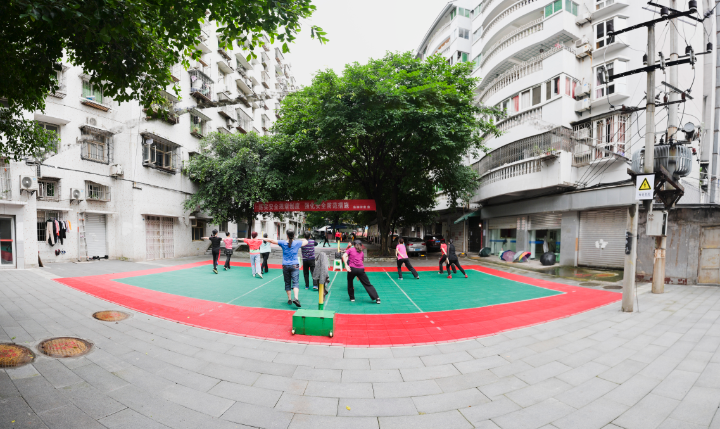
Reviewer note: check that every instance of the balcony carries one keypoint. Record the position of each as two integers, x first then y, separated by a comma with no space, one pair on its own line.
265,58
201,86
506,13
244,122
523,32
176,72
487,88
521,168
228,112
226,65
265,79
279,57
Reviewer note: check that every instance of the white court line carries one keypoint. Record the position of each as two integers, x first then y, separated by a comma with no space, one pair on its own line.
254,289
401,290
325,301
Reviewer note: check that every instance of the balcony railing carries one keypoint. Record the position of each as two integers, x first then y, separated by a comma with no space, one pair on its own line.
244,122
519,118
548,143
201,86
279,57
265,58
519,169
504,14
265,79
519,71
517,35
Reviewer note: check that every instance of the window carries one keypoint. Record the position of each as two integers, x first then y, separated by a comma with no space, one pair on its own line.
477,10
556,86
97,192
536,95
462,57
525,100
96,146
198,228
224,227
48,190
92,91
197,126
572,7
160,155
601,37
516,104
599,4
610,136
602,86
43,216
462,33
552,88
553,8
570,86
54,128
477,35
460,12
476,62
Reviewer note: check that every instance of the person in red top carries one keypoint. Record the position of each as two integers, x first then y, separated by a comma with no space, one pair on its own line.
228,241
254,247
338,236
353,259
443,258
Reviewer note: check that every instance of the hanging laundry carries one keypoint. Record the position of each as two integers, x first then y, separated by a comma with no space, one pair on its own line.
50,233
61,232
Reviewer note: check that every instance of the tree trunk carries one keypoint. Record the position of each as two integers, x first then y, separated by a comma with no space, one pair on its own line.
383,229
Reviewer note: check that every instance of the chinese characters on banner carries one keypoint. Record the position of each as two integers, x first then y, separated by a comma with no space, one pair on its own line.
310,206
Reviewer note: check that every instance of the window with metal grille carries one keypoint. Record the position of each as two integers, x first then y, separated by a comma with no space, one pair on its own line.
162,156
96,147
97,192
48,190
56,129
43,216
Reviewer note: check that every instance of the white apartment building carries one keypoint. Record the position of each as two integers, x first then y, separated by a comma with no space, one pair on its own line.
557,176
116,175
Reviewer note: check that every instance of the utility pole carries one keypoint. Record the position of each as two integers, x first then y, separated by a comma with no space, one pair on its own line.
628,296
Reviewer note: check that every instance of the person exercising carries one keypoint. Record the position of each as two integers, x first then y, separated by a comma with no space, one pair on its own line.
216,241
402,258
453,260
353,259
290,265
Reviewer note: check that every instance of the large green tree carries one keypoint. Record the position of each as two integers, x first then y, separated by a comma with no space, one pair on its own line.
126,46
233,172
395,130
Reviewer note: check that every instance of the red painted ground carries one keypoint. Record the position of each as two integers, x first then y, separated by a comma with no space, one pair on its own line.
350,330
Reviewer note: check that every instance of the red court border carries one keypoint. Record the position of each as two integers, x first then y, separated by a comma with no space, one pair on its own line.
350,329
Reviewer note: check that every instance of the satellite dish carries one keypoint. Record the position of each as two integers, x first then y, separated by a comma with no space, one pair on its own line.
27,182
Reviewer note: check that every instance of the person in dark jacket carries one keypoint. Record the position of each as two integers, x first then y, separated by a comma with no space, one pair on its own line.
453,260
308,260
216,241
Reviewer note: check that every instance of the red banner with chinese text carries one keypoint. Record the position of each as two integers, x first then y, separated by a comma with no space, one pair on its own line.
310,206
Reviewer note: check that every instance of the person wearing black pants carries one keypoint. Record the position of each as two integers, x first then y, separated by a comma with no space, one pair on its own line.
308,260
215,240
264,254
353,259
444,257
325,235
453,261
402,258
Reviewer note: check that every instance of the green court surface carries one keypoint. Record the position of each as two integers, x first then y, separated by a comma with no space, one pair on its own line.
432,292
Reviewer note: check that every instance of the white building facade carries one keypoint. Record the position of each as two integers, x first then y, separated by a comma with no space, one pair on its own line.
116,176
556,179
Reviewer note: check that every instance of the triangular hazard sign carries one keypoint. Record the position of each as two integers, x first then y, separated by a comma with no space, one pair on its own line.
644,186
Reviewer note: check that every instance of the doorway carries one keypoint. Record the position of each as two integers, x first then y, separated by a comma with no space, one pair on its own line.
7,242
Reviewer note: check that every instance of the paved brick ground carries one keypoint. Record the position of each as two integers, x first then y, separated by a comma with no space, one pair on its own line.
601,369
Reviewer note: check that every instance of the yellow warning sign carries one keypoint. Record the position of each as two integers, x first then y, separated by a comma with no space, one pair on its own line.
645,186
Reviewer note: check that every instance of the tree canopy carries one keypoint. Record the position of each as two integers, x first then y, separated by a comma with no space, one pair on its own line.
233,172
395,130
127,47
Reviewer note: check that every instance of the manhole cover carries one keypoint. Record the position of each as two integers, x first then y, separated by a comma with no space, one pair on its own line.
589,284
110,316
612,287
63,347
13,355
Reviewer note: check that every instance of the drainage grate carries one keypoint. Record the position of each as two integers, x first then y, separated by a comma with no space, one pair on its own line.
110,316
63,347
612,287
589,284
13,355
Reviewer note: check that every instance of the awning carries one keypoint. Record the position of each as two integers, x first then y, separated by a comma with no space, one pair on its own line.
160,215
467,215
54,209
97,130
158,138
97,212
199,114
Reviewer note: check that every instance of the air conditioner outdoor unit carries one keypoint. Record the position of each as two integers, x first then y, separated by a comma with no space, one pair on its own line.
582,133
582,105
76,194
580,42
116,170
583,90
28,183
582,51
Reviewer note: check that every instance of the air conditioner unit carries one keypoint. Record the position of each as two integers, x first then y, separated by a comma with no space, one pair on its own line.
28,183
116,170
582,105
582,133
583,51
580,42
583,90
77,194
583,18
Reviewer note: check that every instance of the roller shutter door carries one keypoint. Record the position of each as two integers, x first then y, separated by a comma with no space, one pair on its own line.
96,232
507,222
602,238
545,221
159,238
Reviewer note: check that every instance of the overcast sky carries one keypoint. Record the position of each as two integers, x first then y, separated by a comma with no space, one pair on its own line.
359,30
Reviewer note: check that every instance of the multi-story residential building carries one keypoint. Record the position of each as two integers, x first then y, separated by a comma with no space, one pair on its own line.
116,173
557,176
